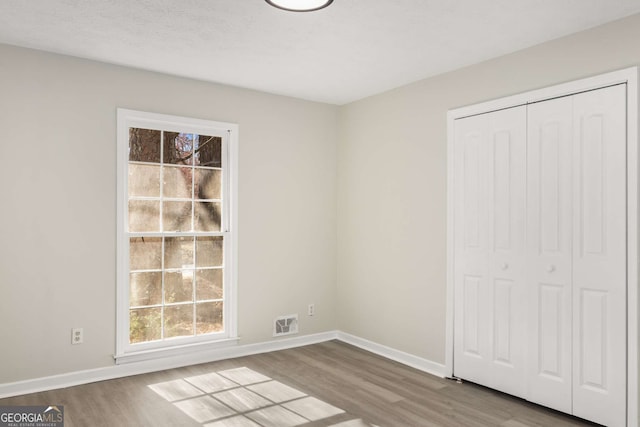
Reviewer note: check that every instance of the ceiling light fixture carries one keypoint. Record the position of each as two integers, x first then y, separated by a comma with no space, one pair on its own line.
300,5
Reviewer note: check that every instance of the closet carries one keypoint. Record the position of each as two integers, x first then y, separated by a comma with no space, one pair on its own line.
539,244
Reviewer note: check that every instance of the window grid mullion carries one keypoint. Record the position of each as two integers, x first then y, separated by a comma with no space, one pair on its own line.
193,285
177,234
193,184
224,208
162,134
193,229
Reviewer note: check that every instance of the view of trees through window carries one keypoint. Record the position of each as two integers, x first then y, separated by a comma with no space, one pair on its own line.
176,256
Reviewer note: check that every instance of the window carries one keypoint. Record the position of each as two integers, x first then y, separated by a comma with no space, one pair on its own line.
176,232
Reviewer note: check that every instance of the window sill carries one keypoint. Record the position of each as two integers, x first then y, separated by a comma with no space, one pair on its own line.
178,350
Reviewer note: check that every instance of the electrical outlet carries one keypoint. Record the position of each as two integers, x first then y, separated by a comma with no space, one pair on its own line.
77,336
311,310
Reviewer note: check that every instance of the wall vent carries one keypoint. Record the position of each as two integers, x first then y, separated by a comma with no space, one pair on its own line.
285,325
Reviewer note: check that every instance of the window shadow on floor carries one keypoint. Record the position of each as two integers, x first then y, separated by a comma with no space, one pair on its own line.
242,397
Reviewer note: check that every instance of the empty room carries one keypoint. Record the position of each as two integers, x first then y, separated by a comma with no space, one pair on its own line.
339,213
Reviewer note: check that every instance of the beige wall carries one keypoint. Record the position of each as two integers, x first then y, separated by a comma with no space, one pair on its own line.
58,199
392,183
380,188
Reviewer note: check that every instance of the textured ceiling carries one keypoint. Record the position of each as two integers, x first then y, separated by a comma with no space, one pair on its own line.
351,50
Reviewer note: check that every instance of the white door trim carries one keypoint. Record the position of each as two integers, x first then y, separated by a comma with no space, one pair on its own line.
630,77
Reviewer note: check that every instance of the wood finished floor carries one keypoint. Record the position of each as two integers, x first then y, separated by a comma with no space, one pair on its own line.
329,384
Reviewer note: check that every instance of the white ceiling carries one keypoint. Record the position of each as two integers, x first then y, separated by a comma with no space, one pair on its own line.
351,50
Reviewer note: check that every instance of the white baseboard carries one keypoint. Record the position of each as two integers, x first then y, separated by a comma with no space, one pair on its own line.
135,368
416,362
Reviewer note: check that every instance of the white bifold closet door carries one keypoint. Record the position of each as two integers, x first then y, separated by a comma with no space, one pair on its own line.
576,254
600,256
490,332
540,252
549,253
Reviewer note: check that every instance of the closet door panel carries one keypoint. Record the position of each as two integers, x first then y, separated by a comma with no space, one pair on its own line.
471,269
507,210
599,256
489,238
549,216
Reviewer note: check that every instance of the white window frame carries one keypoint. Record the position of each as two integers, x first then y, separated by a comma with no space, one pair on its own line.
126,352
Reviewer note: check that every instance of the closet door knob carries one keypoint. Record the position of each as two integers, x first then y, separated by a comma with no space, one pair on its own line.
551,268
505,266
